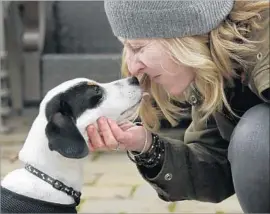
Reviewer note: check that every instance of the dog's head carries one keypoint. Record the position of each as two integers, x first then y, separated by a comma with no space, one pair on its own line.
71,106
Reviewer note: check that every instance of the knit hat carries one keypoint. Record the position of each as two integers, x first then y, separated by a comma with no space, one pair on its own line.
133,19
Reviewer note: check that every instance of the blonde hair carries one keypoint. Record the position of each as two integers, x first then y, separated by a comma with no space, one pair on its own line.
216,57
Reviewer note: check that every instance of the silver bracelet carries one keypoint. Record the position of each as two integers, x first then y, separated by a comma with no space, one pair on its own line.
145,142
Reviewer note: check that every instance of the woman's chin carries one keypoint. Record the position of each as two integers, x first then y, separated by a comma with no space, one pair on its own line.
175,92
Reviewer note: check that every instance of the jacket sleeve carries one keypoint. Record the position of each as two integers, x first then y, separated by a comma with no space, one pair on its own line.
194,169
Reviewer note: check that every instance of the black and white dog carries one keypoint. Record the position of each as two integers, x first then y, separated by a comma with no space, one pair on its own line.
56,145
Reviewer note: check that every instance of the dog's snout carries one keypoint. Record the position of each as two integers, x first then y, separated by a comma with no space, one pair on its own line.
134,81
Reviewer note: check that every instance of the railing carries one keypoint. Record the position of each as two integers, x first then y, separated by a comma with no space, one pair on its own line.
4,94
4,86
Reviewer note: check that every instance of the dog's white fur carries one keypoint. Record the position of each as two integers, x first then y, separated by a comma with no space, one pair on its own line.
120,96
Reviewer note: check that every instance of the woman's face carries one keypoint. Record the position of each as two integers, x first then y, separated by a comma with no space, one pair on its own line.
150,57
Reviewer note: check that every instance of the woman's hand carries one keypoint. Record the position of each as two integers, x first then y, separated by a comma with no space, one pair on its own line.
110,136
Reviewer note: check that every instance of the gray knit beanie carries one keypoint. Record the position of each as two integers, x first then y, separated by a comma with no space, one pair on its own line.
133,19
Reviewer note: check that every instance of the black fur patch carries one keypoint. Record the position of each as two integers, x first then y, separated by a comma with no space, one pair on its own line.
62,112
77,99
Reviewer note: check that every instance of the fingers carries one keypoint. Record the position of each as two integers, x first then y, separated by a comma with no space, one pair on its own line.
102,139
107,134
95,140
126,126
132,139
119,134
91,148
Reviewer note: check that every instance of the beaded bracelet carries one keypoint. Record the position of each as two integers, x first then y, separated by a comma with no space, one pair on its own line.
152,157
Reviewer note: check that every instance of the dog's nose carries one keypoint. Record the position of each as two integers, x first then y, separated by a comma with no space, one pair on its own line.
134,81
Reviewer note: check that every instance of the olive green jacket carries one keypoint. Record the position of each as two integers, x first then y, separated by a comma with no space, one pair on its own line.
196,166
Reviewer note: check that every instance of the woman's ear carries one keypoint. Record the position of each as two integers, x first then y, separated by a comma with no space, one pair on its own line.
63,135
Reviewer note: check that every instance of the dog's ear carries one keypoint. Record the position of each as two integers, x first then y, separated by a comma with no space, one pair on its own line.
62,133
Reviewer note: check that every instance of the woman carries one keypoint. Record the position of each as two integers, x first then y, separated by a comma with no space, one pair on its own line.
204,60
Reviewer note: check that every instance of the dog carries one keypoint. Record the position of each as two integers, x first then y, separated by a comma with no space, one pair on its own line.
56,145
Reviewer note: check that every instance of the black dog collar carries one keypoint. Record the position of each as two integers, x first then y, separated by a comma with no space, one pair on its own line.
55,183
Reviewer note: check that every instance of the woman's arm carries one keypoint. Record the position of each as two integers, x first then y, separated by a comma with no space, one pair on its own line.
197,169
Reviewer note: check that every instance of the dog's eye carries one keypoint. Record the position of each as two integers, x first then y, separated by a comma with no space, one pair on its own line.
96,89
96,97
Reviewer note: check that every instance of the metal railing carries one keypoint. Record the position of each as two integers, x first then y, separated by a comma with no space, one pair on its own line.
4,95
4,88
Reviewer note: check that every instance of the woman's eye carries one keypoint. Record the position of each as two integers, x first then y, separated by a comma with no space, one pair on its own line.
136,50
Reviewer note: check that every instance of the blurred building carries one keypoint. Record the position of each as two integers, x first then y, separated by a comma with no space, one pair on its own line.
44,43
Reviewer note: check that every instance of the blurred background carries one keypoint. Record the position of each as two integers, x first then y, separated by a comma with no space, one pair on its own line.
43,43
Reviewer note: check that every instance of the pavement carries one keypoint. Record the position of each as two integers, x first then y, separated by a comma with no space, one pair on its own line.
112,183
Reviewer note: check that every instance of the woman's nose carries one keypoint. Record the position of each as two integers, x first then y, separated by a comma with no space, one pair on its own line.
135,66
